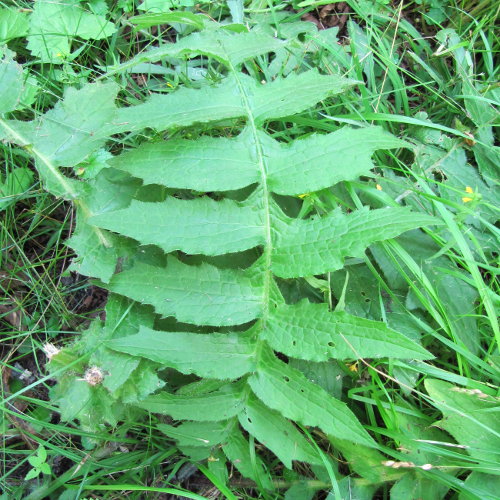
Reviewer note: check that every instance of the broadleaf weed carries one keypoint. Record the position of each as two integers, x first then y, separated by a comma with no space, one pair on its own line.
282,273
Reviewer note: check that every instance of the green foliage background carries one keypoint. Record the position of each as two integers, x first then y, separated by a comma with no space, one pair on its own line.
297,230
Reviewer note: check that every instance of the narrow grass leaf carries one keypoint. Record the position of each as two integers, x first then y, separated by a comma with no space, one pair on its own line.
386,117
217,482
122,487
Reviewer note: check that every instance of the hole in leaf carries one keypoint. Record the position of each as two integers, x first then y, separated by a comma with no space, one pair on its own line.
331,344
286,379
294,343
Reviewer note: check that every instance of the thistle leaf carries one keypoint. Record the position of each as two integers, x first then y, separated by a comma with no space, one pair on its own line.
219,405
309,331
218,44
258,102
285,389
210,252
183,108
320,161
277,433
203,295
193,226
309,247
221,164
214,355
206,164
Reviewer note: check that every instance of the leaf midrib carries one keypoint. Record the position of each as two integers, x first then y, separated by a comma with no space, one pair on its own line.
267,278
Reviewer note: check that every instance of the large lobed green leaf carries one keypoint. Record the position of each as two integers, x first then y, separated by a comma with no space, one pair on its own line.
243,381
275,99
220,164
203,295
470,416
53,26
11,84
215,355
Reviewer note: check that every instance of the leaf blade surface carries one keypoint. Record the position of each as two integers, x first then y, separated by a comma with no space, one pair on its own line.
207,164
218,405
199,226
316,246
309,331
213,355
203,295
287,390
320,161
